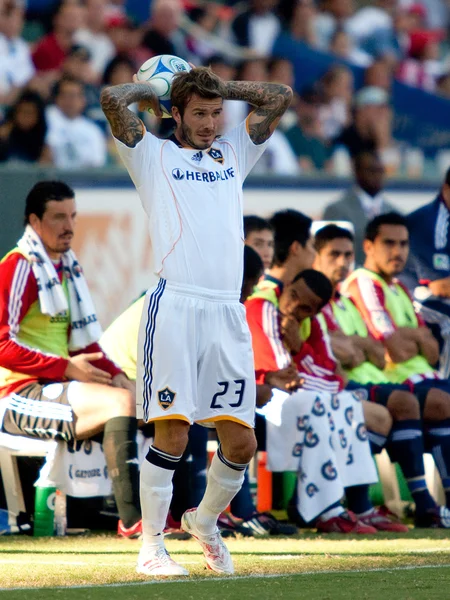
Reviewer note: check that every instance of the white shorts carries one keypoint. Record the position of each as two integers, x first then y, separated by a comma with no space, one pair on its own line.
195,358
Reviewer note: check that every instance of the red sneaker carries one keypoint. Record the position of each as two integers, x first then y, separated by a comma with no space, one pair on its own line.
344,523
384,520
132,533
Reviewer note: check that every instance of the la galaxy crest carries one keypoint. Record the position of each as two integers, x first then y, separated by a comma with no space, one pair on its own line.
166,397
216,155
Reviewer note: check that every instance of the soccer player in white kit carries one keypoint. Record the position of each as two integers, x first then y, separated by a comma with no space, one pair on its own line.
195,353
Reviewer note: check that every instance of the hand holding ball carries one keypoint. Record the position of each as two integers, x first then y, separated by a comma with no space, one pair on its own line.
158,72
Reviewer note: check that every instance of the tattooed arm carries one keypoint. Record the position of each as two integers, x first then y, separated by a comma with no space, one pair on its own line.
125,125
271,101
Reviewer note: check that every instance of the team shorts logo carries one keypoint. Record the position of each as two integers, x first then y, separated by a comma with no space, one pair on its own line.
361,432
311,438
302,422
349,415
331,422
361,394
298,450
166,398
216,155
311,489
318,408
328,471
342,438
178,174
335,402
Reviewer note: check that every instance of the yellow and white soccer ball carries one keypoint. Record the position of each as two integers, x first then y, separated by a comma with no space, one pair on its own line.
159,72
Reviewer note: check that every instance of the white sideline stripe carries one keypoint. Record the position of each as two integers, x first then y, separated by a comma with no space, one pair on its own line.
234,578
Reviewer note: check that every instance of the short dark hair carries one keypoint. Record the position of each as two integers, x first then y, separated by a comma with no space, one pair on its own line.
200,81
390,218
253,265
329,233
317,283
255,223
289,226
43,192
66,79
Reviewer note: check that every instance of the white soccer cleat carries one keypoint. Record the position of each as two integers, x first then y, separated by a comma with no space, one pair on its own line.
158,562
216,553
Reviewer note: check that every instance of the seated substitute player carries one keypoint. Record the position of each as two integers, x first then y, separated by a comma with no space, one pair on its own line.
258,234
411,349
363,359
300,426
55,382
195,356
294,250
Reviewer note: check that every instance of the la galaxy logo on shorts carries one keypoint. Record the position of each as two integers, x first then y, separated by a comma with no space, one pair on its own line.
166,398
216,155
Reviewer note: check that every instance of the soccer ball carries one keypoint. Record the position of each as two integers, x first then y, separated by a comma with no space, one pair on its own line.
159,72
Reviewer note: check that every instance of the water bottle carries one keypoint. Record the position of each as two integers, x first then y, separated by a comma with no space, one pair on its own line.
44,511
60,517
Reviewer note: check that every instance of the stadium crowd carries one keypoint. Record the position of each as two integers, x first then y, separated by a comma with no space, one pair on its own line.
55,56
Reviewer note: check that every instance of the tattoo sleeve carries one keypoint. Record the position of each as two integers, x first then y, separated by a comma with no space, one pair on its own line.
125,125
270,101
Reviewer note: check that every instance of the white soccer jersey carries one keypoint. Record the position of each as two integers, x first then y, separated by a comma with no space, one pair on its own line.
193,199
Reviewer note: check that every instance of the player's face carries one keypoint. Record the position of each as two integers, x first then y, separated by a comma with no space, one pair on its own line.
298,301
199,125
388,253
335,259
262,243
56,228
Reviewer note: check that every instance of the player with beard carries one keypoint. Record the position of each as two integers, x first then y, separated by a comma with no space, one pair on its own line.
195,354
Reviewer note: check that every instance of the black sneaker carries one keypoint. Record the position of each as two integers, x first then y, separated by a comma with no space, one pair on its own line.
434,518
266,524
230,525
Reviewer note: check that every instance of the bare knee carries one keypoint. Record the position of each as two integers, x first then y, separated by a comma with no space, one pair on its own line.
437,405
171,436
238,442
377,418
121,403
403,405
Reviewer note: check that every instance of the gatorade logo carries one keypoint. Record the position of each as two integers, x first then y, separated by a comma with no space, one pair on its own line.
51,500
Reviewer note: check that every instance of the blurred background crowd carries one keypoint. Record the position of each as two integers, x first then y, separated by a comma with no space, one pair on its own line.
367,75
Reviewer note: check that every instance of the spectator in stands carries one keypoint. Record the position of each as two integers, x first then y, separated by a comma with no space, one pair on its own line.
336,87
363,201
164,35
281,316
94,37
126,38
22,136
304,133
55,382
302,24
341,45
411,349
16,66
258,234
74,140
258,27
379,75
374,21
422,67
430,264
363,359
119,70
51,50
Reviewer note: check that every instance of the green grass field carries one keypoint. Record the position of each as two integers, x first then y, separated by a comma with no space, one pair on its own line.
415,566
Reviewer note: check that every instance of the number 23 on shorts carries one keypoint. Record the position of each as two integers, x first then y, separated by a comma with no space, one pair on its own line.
239,387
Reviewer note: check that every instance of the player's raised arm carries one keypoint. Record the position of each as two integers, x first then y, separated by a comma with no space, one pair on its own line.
125,125
271,101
